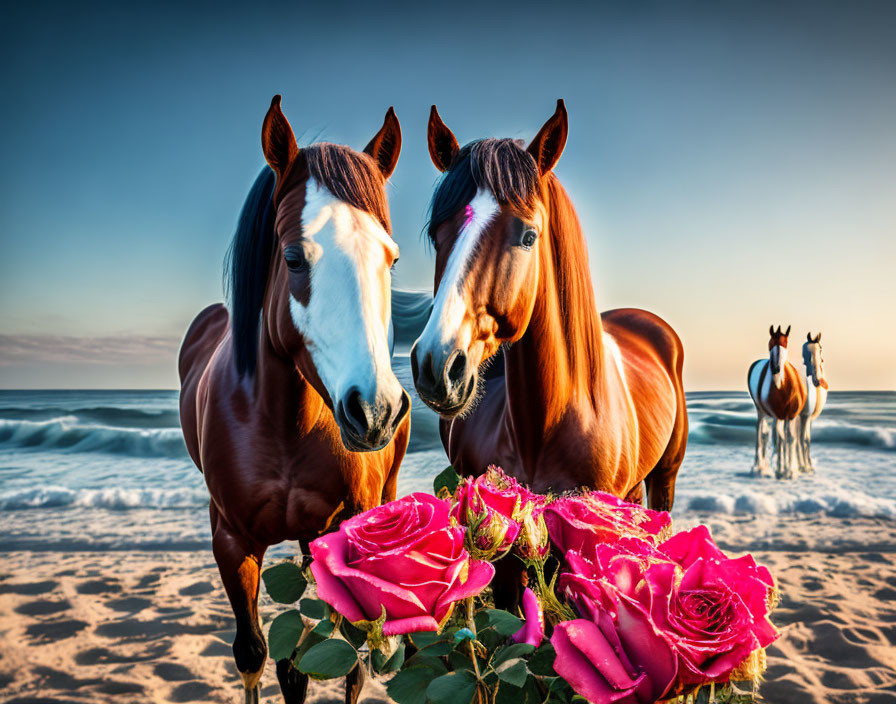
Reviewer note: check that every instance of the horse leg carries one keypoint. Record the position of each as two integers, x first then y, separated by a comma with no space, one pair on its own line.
240,568
354,683
636,495
660,481
781,449
761,463
807,445
293,684
508,583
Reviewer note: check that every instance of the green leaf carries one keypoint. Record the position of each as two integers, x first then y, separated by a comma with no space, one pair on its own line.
313,608
353,634
307,643
324,628
542,661
513,671
438,649
448,479
517,650
503,622
424,638
453,688
433,664
384,666
409,685
460,659
285,632
509,694
284,582
332,658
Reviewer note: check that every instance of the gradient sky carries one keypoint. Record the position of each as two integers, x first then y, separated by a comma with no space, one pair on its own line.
733,164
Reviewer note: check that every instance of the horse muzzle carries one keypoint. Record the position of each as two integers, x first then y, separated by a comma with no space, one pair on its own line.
446,382
369,425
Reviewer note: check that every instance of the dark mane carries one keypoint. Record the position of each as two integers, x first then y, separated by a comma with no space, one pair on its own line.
353,177
246,269
502,166
350,176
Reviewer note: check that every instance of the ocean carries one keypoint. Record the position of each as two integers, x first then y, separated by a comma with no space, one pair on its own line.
108,470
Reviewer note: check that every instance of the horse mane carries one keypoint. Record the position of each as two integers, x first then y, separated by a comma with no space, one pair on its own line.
502,166
575,293
246,269
350,176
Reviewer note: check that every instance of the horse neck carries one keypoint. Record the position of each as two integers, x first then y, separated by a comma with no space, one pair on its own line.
559,359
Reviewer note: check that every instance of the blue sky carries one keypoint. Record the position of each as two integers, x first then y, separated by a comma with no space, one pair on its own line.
732,163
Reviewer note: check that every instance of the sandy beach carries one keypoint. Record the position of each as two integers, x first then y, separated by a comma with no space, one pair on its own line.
156,627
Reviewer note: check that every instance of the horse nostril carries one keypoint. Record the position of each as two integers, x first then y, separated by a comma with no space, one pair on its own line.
414,366
402,410
457,369
355,414
422,373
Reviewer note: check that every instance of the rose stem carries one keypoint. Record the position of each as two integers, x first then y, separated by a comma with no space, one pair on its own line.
471,624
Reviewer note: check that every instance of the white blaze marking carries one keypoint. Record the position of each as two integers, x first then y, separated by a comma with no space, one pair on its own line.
449,305
341,324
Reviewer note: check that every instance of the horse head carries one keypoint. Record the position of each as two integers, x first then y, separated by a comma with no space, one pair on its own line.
777,352
327,304
813,358
489,226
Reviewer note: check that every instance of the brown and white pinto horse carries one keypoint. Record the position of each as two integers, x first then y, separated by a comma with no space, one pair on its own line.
575,398
816,396
289,406
779,393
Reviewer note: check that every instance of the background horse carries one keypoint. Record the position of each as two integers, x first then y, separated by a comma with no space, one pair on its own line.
817,394
779,393
289,406
576,398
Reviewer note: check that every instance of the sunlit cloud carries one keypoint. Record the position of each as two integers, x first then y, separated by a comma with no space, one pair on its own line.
110,349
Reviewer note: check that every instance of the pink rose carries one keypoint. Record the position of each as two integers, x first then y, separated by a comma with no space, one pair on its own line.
495,505
532,631
711,609
593,584
404,556
714,608
621,658
579,522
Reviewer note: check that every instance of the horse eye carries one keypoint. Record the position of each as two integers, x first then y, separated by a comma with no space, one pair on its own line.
527,241
295,259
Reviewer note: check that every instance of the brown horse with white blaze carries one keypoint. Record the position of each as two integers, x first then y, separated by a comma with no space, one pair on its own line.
779,394
575,398
288,404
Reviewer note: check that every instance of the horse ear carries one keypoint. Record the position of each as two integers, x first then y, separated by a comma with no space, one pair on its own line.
787,334
386,144
548,144
809,337
818,337
771,330
277,140
443,146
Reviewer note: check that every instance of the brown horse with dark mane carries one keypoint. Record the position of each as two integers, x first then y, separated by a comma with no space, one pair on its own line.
288,403
524,370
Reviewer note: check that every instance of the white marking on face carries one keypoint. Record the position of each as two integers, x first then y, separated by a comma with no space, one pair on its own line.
449,306
779,353
346,321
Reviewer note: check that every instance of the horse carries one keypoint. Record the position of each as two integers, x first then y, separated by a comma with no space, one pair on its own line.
288,403
817,394
778,392
515,357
